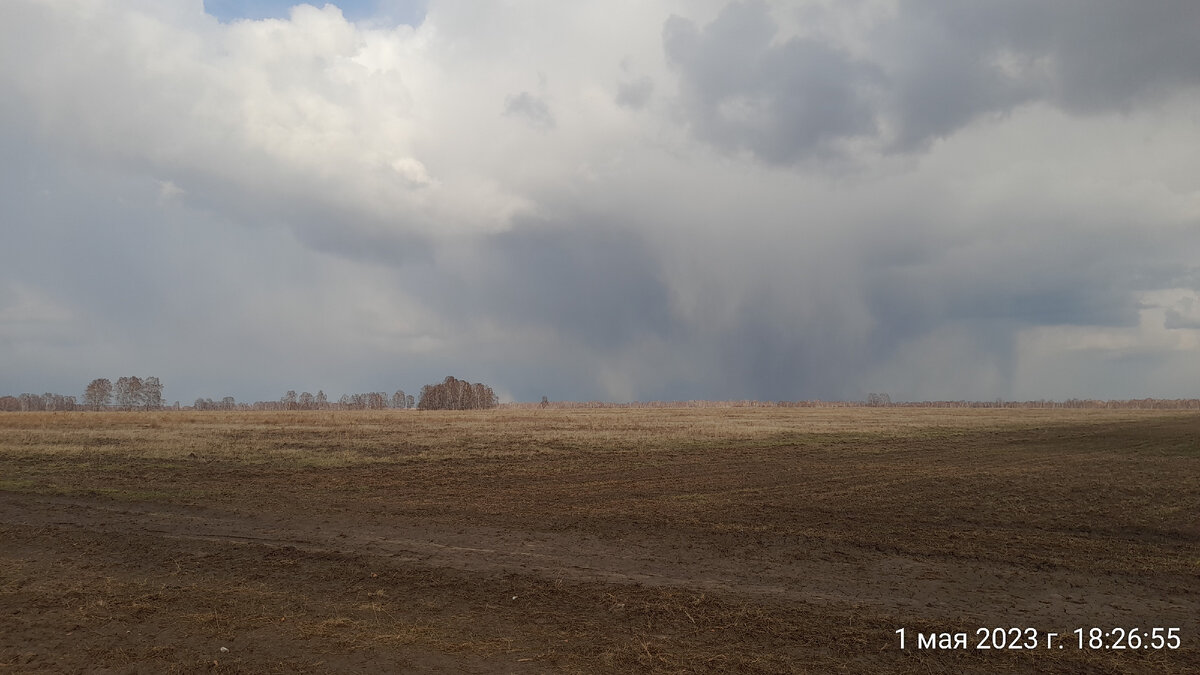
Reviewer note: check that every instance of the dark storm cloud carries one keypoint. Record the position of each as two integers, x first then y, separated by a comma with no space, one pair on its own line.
588,283
778,349
1110,54
1085,274
1026,284
779,101
933,68
940,76
953,62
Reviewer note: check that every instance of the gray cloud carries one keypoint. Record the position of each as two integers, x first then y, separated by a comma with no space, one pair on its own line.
779,101
532,109
1175,320
932,68
953,62
1184,315
635,94
588,283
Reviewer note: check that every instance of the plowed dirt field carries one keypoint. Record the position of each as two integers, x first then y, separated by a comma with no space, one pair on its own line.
673,540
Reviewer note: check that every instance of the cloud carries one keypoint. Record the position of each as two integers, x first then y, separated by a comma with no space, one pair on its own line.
533,109
308,114
956,63
919,72
28,315
714,200
742,91
635,94
1184,314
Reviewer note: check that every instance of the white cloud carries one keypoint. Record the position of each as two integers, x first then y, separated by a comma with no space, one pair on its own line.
168,190
413,171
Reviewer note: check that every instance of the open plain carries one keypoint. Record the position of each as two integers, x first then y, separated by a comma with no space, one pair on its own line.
610,540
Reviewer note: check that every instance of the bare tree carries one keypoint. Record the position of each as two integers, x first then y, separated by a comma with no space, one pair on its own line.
482,396
98,394
56,402
152,394
31,402
128,392
399,400
429,395
878,400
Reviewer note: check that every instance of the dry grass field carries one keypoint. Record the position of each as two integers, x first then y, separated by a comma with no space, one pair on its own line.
709,540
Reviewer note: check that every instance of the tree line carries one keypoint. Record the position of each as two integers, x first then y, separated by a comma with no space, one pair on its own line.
37,402
374,400
129,393
134,393
451,394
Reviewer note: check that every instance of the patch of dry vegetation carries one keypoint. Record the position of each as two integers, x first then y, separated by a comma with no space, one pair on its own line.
373,436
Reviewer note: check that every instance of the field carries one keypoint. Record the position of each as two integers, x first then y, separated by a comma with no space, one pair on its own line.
706,540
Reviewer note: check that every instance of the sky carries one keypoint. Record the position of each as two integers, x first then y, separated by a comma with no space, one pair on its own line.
617,200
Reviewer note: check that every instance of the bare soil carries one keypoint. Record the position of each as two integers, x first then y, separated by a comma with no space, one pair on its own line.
752,540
